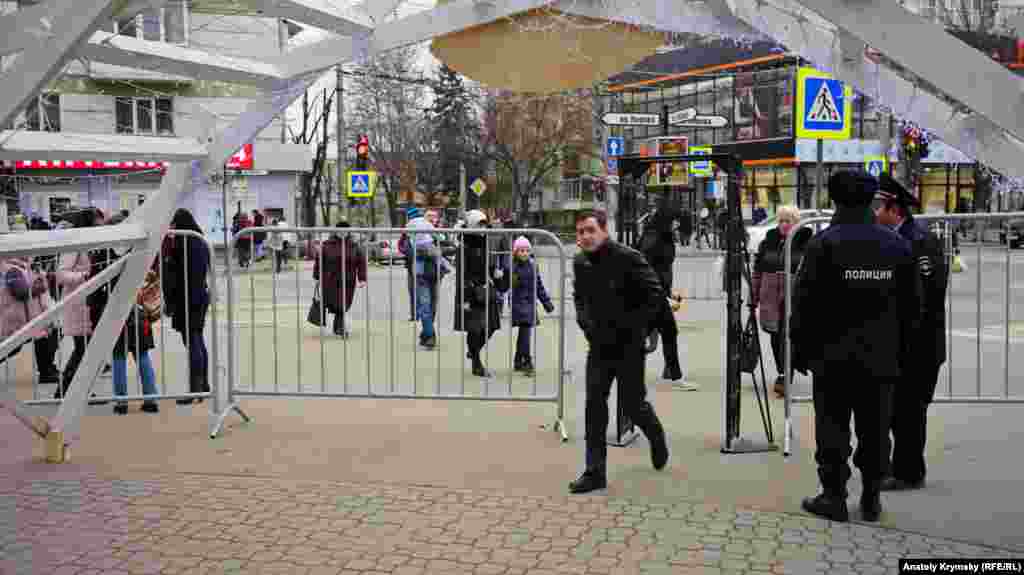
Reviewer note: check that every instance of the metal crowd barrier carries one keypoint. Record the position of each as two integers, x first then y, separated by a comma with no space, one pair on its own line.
946,231
277,352
168,355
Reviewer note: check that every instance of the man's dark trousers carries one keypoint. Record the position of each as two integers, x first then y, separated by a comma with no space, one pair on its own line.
627,369
869,400
665,323
909,424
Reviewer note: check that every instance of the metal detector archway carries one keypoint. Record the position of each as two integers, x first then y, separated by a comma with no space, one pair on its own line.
633,170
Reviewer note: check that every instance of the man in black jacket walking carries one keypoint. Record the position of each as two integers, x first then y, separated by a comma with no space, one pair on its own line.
617,296
917,386
854,302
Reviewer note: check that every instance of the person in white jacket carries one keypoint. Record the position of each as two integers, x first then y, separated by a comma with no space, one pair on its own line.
280,244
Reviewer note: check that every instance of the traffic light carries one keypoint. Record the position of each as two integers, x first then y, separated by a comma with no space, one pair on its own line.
363,154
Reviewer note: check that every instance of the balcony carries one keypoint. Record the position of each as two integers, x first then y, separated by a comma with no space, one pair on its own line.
576,193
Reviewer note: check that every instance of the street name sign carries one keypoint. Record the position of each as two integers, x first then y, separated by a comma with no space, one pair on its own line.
631,119
702,122
679,116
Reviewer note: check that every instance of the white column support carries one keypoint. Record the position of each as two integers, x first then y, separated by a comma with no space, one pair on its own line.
326,14
928,51
71,23
31,25
154,216
974,136
257,116
172,59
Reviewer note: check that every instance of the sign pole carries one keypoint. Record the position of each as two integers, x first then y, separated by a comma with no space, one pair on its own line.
819,174
462,191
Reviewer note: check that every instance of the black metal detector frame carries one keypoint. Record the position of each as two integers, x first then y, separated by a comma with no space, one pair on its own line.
632,169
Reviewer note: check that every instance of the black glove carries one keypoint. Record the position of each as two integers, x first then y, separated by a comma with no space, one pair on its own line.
549,307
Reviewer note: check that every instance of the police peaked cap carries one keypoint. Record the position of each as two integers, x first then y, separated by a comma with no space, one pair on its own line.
852,188
890,189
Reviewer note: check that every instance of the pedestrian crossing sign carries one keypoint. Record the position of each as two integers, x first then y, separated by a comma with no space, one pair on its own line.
875,165
824,106
361,184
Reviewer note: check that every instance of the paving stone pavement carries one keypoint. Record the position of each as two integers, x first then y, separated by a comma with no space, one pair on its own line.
176,524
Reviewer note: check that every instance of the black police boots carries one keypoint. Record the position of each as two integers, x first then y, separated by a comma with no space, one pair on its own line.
871,503
589,480
830,504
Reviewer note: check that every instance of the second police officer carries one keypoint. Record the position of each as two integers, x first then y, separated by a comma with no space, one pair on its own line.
854,302
906,469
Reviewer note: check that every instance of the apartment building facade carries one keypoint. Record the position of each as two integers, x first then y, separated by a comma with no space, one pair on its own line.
98,98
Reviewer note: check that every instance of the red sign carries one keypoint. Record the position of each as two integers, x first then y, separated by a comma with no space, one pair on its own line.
242,160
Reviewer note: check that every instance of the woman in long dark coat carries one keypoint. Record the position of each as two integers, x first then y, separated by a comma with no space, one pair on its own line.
477,284
344,271
187,297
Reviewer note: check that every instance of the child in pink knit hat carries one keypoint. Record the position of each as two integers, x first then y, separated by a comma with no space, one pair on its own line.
526,289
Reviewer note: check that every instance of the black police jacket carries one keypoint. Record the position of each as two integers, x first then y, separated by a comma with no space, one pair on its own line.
617,294
929,343
855,300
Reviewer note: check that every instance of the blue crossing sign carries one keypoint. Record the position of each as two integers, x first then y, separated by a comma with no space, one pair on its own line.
361,184
613,165
824,106
875,165
615,146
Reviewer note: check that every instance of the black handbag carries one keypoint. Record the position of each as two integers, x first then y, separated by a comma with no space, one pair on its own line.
316,313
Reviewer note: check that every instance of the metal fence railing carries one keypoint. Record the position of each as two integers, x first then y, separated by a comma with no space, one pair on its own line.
150,375
364,335
993,329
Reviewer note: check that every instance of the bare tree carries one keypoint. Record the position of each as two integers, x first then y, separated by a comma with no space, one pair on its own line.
388,108
532,136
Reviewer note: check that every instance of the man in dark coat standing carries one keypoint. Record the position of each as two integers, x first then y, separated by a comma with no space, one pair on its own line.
617,295
917,387
854,302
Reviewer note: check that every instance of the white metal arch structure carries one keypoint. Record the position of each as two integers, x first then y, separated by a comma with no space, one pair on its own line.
981,114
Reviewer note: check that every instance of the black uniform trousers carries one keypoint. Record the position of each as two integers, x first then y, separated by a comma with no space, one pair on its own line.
626,368
869,400
665,323
909,423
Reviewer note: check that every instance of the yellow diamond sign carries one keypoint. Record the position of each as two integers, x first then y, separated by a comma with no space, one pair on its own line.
478,186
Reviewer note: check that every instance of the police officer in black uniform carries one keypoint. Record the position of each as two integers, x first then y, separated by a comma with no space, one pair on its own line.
853,306
617,296
906,469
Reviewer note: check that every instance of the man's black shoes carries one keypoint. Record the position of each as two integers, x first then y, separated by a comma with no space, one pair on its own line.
659,449
828,506
870,506
590,480
893,484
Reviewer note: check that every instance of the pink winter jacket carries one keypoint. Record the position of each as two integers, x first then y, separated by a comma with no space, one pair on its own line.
15,314
73,272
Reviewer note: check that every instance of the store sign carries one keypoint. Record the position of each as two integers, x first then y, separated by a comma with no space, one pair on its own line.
243,160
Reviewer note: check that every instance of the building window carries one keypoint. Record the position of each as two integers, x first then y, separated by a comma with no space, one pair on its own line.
144,116
168,24
42,114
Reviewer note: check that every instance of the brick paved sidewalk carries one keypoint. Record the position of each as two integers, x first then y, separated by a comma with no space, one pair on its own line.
177,524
